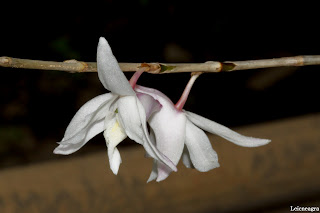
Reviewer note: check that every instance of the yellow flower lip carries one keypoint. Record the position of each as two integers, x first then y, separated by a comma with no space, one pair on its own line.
114,133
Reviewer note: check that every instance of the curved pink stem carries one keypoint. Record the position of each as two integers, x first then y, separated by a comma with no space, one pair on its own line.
180,104
135,77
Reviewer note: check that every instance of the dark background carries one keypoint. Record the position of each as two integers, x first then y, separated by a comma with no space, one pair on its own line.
36,106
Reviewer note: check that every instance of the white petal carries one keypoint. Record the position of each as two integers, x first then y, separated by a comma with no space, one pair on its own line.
96,118
83,116
156,94
168,125
203,157
159,170
87,123
128,116
218,129
152,138
74,143
149,104
169,128
114,160
113,134
186,158
154,172
109,72
67,149
163,172
132,117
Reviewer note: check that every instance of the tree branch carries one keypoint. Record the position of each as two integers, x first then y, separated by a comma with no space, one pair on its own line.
160,68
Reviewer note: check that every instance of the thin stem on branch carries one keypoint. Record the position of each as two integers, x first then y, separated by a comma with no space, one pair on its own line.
160,68
180,104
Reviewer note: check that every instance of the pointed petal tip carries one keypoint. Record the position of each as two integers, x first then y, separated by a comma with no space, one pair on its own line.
225,132
163,172
115,168
159,179
175,169
150,179
102,39
103,43
162,176
58,151
65,149
258,142
114,160
266,141
214,165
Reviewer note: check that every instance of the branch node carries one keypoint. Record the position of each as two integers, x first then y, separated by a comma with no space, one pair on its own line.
217,69
153,68
83,65
300,60
5,61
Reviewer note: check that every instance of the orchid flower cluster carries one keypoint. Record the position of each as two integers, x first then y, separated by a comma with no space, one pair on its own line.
125,112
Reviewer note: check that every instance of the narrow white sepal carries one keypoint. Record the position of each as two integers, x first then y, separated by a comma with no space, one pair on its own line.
202,155
86,123
74,143
88,111
109,72
225,132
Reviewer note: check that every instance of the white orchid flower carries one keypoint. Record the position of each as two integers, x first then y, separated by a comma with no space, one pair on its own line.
178,133
118,114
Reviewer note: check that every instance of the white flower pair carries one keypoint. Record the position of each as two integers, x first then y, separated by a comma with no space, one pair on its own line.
125,111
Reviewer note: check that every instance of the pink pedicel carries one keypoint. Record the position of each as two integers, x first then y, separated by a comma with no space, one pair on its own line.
135,77
180,104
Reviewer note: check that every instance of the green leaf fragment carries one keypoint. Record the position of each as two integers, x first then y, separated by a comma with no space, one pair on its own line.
227,66
166,68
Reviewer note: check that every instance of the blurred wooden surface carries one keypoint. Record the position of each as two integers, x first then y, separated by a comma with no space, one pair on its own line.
270,178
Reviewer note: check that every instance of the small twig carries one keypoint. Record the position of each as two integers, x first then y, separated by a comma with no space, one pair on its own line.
159,68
